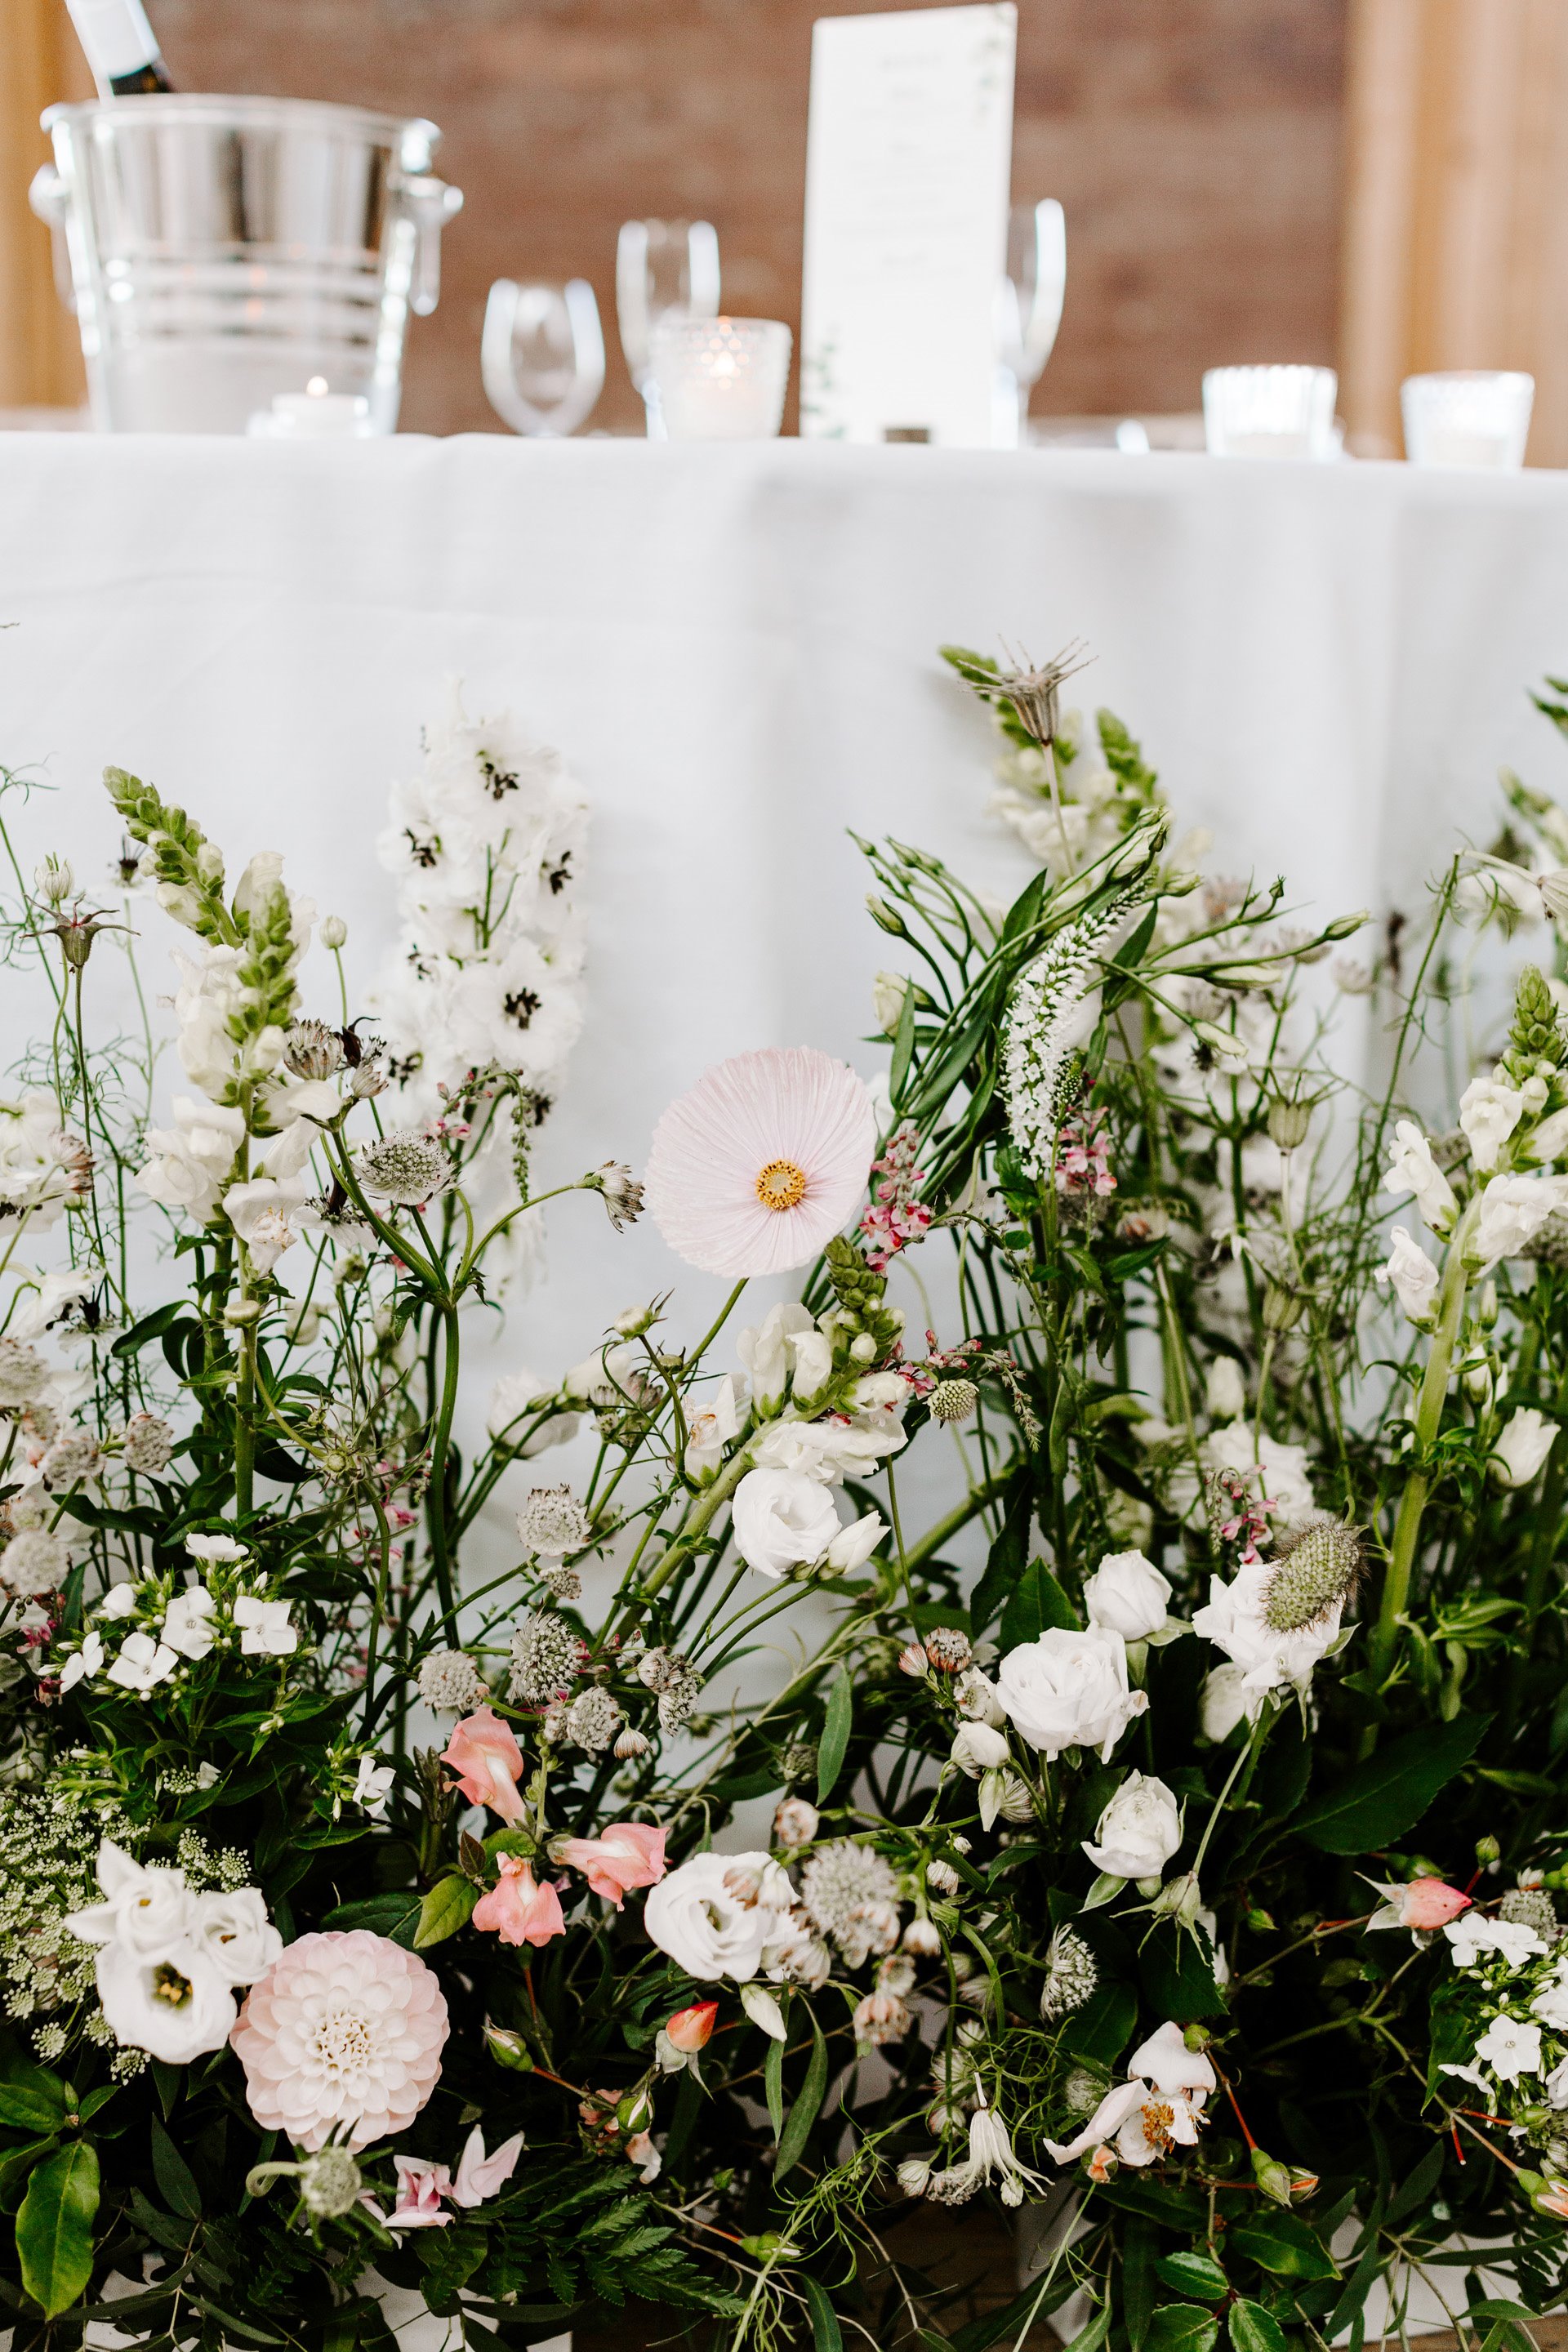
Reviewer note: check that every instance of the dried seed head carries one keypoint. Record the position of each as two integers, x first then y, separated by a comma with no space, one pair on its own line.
954,1400
1315,1571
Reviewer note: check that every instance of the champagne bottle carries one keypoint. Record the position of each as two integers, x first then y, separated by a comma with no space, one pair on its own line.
122,47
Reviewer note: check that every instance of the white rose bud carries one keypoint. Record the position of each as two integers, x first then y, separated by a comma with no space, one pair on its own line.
1223,1701
333,931
1139,1831
1127,1594
977,1748
1225,1392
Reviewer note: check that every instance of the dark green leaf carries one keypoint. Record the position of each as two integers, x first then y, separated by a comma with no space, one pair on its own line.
54,2227
835,1735
826,2333
393,1916
448,1907
1177,1980
1037,1602
1103,2027
174,2175
1389,1793
1008,1556
808,2106
1184,2328
22,2108
1187,2274
1283,2245
1138,2283
150,1327
1418,2188
773,2084
1252,2330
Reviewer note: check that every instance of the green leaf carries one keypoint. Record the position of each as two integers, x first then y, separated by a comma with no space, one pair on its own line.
1194,2274
835,1735
904,1047
772,2085
808,2106
396,1916
1184,2328
1138,2281
1177,1981
448,1907
1037,1602
1251,2328
174,2175
1389,1793
1008,1556
22,2108
1284,2245
54,2227
1103,2027
826,2333
150,1327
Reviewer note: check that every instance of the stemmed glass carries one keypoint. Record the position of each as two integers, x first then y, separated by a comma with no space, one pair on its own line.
542,356
663,270
1028,311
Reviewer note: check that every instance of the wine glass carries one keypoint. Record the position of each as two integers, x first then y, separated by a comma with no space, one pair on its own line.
663,270
542,356
1028,311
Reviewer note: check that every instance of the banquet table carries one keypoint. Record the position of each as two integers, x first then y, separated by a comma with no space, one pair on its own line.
735,647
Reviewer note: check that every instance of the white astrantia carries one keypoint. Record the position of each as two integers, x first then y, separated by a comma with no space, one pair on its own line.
1522,1445
1411,1275
1412,1168
1053,1011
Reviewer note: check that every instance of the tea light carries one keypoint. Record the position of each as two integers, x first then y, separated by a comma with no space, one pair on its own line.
720,379
1470,418
317,413
1270,412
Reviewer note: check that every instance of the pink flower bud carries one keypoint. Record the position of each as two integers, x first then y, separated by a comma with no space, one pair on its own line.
689,2028
1428,1902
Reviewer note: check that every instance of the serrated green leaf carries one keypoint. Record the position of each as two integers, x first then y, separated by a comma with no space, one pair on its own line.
54,2227
1390,1792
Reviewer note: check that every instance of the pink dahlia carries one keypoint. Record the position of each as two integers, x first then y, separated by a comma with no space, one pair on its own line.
341,2036
762,1162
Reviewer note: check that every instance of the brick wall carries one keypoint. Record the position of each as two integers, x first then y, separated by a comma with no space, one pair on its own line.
1196,144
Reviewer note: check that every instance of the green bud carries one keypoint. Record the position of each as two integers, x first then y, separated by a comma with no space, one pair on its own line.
1487,1851
1312,1573
885,918
1347,926
508,2048
1281,1308
1289,1122
1272,2176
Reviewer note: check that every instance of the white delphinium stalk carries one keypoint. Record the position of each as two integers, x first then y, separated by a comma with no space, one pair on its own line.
1055,1006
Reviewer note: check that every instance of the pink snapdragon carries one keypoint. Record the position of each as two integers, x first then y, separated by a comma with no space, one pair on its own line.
487,1762
1083,1157
518,1908
420,2190
628,1854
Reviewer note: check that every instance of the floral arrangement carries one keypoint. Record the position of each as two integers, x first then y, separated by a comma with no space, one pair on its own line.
1150,1813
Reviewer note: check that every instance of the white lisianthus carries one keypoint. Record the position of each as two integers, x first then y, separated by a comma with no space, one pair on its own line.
1233,1619
978,1747
826,1450
1489,1113
191,1159
764,1353
1521,1447
713,1422
1513,1209
1412,1168
1224,1391
173,2002
235,1934
1139,1831
1412,1276
1070,1690
710,1916
782,1519
143,1906
852,1546
1510,2046
1127,1594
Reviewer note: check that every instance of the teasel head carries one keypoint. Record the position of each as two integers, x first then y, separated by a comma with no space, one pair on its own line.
1313,1572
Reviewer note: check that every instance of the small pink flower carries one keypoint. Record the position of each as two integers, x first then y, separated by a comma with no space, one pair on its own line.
645,2156
517,1910
689,2028
760,1164
1422,1906
480,2176
628,1854
420,2189
1101,2165
487,1763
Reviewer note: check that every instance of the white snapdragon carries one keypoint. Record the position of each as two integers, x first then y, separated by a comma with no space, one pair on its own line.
1412,1168
1521,1446
268,1216
1513,1210
713,1423
828,1450
764,1352
1489,1113
191,1161
1412,1276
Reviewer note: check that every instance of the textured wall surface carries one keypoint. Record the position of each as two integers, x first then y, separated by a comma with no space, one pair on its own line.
1196,144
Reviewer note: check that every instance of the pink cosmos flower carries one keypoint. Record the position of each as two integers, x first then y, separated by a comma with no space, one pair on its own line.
343,2034
517,1910
420,2189
1422,1906
760,1164
480,2176
487,1763
628,1854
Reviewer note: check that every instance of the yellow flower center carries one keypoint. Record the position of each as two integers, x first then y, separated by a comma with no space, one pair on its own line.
781,1185
170,1987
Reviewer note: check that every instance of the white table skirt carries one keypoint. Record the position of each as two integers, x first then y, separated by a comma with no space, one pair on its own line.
735,648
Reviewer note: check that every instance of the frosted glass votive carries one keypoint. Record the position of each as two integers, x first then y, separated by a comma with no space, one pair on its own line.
1471,417
720,379
1270,412
314,414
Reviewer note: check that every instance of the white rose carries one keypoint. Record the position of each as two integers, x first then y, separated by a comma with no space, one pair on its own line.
1127,1594
172,2001
1070,1690
1412,1168
1165,2061
1222,1702
1139,1831
782,1519
1489,1113
764,1355
695,1917
1521,1447
1224,1391
977,1748
1411,1273
235,1934
826,1450
1512,1211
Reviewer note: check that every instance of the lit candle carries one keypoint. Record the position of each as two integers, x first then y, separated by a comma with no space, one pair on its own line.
317,413
720,379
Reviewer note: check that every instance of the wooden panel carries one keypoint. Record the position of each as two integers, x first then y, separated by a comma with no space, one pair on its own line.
40,360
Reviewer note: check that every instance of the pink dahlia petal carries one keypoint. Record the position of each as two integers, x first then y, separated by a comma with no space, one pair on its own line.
762,1162
343,2028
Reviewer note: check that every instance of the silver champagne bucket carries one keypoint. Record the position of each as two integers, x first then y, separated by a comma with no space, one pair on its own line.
219,250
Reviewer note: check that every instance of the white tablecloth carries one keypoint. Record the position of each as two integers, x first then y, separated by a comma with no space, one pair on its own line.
735,648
